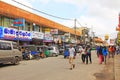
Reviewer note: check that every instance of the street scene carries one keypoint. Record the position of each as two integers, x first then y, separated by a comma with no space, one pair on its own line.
59,40
52,68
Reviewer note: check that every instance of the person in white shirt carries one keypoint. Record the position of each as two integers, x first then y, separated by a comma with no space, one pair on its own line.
71,56
83,54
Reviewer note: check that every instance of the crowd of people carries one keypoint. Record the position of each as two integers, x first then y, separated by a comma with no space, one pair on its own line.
102,53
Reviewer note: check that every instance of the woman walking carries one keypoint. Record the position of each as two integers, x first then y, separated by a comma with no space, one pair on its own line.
100,55
104,52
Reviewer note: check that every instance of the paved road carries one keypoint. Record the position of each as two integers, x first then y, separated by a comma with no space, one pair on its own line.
52,68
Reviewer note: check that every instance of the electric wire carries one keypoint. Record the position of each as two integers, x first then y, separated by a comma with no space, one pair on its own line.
79,23
42,11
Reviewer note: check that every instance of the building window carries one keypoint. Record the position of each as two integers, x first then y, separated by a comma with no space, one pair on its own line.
27,26
36,27
6,22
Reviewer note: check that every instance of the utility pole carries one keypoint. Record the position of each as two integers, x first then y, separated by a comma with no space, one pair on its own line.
18,41
75,30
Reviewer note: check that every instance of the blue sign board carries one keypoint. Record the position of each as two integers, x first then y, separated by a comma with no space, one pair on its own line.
12,34
1,31
19,22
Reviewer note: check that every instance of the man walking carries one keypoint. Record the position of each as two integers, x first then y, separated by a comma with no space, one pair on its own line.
71,57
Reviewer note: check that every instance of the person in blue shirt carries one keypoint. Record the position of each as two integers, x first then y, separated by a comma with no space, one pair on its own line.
66,53
97,50
104,52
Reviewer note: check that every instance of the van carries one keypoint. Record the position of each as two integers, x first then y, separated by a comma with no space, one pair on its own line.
9,52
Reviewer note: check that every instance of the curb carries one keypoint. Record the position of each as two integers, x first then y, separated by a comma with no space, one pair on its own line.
117,67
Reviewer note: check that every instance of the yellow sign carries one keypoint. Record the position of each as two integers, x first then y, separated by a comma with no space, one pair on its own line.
47,30
118,37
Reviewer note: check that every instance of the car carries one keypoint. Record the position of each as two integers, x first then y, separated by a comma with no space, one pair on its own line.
53,51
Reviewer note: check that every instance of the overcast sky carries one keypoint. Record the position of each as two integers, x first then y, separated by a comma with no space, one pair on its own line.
101,16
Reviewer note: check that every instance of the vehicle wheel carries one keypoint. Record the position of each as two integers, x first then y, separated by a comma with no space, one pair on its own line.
16,61
54,55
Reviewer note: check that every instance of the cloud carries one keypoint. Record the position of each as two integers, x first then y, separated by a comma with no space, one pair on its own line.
102,15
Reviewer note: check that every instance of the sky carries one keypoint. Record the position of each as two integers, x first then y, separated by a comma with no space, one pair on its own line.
101,16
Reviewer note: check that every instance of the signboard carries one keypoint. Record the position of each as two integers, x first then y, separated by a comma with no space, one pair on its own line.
48,37
1,31
37,35
24,35
118,37
47,30
54,31
12,34
9,33
19,22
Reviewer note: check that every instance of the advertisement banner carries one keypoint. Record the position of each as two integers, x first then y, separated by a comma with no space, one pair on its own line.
37,35
12,34
9,33
19,22
24,35
1,31
47,30
54,31
48,37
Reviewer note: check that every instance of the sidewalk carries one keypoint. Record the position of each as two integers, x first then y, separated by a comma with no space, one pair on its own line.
117,67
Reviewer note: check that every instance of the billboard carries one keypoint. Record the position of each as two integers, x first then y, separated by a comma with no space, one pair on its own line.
19,22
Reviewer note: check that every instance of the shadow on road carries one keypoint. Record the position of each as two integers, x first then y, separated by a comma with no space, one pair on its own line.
6,65
107,73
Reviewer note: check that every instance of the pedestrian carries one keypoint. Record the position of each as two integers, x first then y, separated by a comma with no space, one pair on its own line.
89,54
66,53
104,52
113,51
83,54
97,49
100,55
117,49
86,55
71,57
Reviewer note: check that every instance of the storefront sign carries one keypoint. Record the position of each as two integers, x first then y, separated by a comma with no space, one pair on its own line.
54,31
9,33
118,37
37,35
24,35
12,34
19,22
47,30
1,32
48,36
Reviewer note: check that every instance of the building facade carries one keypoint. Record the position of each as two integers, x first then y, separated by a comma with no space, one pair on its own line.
36,30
